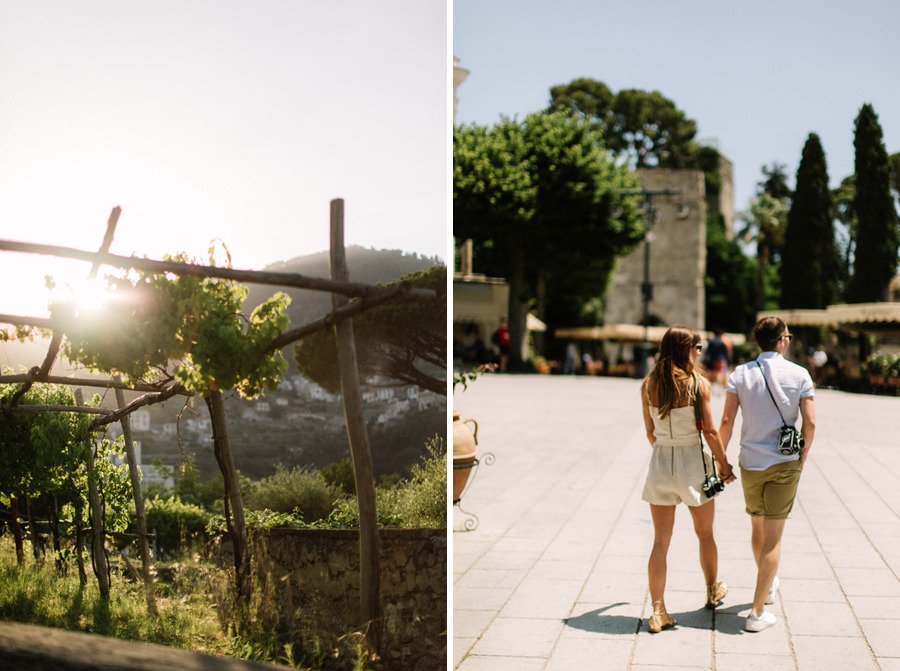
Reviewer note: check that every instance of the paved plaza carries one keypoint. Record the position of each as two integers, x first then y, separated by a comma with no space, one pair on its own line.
554,575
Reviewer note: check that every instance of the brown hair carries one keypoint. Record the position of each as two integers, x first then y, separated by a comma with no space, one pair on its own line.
672,379
767,332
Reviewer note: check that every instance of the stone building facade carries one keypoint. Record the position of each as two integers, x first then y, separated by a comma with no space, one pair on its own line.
677,256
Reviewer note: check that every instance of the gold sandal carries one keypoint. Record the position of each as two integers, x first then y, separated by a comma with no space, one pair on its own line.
660,619
715,594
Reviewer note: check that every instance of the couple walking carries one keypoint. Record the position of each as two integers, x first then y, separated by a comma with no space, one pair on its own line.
771,393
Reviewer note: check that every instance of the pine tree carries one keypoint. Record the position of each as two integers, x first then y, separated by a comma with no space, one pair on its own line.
809,261
877,231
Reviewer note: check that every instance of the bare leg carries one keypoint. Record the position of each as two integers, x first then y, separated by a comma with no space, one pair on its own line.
703,527
770,555
663,522
756,536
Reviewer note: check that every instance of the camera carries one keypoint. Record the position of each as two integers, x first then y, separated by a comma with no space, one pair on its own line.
712,486
790,441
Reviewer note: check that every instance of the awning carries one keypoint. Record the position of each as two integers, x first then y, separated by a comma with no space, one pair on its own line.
629,333
853,316
532,323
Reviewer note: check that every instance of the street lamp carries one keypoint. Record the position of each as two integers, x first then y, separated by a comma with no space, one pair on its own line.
649,214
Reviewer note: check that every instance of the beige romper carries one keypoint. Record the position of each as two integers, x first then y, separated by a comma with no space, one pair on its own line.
676,471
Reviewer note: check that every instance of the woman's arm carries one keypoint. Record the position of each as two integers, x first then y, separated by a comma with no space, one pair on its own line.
726,472
648,418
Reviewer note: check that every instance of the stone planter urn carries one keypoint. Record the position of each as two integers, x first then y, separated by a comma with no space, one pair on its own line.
465,441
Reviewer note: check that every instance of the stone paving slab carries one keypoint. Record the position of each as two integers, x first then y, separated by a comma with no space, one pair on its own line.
554,575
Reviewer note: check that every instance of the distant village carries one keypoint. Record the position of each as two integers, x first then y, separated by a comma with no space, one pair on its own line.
297,408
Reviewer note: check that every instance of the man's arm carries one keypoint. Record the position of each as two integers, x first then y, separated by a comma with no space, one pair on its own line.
808,430
726,426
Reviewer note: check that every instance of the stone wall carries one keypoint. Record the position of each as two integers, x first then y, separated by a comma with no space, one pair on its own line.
312,576
677,256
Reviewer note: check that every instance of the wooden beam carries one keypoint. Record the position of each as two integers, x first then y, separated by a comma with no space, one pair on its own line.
17,320
195,270
90,382
86,409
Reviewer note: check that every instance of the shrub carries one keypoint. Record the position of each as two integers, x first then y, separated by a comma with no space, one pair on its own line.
298,490
421,501
340,474
176,523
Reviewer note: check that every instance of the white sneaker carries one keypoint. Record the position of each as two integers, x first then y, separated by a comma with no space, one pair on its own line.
770,597
764,621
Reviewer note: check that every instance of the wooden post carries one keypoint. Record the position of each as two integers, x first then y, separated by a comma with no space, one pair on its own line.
363,473
98,540
138,502
222,449
17,530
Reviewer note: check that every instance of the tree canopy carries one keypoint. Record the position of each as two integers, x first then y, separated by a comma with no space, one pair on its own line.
194,323
538,196
809,262
645,126
406,341
877,232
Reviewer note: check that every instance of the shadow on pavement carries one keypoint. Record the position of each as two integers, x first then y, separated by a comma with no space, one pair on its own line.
597,622
729,622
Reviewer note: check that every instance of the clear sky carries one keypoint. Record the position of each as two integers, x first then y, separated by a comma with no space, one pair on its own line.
757,77
219,119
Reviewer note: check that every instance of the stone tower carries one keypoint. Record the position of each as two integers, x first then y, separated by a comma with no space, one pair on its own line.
677,256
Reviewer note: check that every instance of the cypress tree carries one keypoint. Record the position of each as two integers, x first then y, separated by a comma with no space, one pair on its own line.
809,260
877,230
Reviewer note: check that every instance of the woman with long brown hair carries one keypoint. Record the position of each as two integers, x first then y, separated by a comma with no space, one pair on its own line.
677,473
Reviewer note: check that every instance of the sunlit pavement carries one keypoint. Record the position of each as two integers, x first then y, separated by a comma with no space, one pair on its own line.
554,575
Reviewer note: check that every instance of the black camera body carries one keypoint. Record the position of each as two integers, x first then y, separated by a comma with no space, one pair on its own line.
712,485
790,441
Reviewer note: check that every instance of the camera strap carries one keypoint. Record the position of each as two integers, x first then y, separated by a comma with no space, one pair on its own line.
698,417
783,423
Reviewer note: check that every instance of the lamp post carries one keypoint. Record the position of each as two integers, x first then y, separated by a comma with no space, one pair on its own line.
649,213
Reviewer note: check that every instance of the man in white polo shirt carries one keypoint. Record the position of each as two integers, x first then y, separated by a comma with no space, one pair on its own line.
771,392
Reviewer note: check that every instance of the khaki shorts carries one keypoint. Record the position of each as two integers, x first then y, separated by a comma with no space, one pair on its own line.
675,475
770,493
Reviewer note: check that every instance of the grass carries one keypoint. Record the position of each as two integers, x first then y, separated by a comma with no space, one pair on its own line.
35,593
196,611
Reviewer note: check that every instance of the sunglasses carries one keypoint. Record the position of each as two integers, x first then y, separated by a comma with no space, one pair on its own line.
698,347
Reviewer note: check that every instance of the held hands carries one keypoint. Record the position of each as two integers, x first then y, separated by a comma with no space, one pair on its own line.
726,472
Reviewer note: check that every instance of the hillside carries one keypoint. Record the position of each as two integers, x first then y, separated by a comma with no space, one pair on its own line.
371,266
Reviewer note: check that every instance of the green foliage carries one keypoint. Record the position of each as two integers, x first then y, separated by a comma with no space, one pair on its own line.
463,378
37,594
731,281
645,126
885,365
538,198
176,523
810,267
764,223
194,322
340,474
421,501
345,515
404,340
256,519
45,453
297,490
877,232
845,225
111,472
